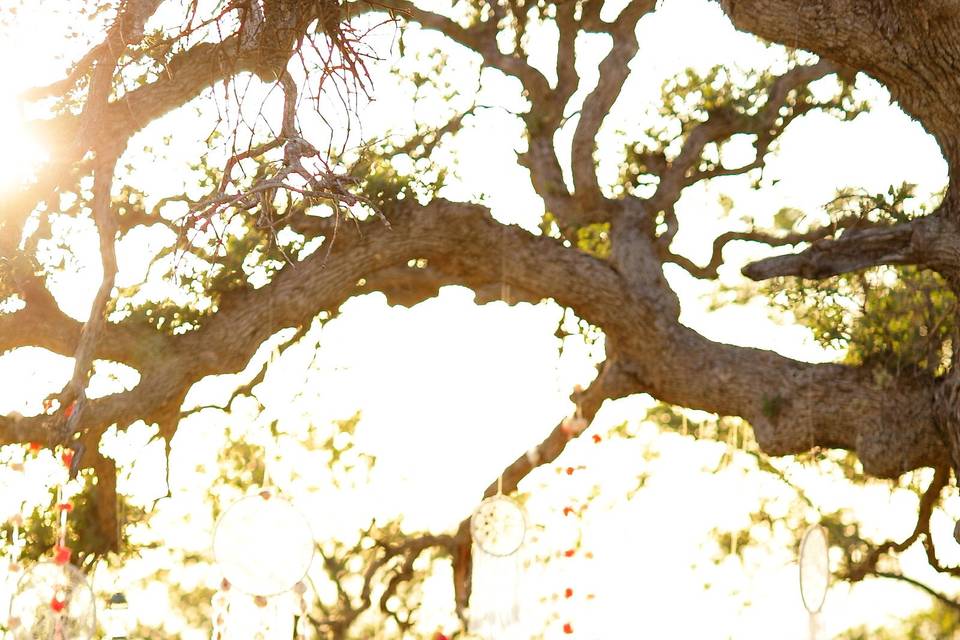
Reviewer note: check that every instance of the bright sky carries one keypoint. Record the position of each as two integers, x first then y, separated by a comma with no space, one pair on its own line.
450,392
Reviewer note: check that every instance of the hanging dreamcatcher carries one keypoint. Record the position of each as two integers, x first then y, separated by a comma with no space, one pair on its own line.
53,602
264,547
814,566
498,528
53,599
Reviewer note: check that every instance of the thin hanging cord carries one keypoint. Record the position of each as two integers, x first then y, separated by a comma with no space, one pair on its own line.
811,438
505,296
63,518
504,287
270,445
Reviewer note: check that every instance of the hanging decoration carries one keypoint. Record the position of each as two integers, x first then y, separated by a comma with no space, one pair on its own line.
220,605
53,600
814,565
17,542
302,622
263,545
574,598
498,528
278,545
264,548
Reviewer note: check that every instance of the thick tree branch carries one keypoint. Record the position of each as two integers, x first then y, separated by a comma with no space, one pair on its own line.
611,383
932,241
791,405
614,70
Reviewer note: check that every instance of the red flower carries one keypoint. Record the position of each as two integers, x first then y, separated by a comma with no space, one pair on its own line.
440,636
569,471
61,555
567,627
57,605
569,552
567,511
568,593
65,506
35,448
67,457
597,438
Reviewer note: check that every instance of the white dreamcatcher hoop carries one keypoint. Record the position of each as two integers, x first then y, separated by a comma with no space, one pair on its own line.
498,528
263,545
814,573
53,602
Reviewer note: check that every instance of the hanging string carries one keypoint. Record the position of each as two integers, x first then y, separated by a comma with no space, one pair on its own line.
271,444
505,296
16,540
62,552
496,572
815,617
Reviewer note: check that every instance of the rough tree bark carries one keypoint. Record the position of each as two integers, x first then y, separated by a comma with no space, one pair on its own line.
912,48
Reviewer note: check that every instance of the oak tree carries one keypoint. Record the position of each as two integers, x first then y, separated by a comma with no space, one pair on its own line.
281,226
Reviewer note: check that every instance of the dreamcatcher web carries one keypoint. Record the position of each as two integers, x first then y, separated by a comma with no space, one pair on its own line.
814,565
263,545
499,526
53,602
814,568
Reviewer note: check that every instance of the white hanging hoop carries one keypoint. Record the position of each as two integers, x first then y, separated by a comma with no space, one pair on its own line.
53,601
499,526
814,565
263,545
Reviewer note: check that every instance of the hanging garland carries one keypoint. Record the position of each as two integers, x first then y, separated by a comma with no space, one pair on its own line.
53,599
571,597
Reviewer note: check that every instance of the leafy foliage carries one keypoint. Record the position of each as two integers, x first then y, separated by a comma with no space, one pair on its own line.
899,319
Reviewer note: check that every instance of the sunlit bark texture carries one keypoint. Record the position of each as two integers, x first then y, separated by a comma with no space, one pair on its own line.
602,251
